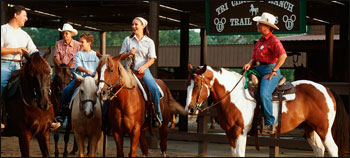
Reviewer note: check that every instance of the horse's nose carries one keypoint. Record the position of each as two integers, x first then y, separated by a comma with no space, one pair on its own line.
191,110
88,114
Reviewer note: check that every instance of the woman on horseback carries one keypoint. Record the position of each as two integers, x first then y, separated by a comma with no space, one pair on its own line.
140,45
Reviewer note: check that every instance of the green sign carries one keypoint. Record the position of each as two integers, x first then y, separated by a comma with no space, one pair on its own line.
236,17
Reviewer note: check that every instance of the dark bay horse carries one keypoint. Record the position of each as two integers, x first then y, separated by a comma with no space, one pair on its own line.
314,105
61,79
126,110
30,109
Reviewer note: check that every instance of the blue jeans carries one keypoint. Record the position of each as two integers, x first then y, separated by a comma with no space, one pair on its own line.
68,91
266,89
7,67
152,85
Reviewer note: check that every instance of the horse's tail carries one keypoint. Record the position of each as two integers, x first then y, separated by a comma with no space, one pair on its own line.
340,128
175,107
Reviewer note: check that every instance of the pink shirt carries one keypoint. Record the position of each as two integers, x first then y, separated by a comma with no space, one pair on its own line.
67,52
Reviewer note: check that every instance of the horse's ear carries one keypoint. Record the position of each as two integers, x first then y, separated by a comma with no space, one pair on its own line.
96,78
46,55
26,55
204,68
80,78
55,62
70,62
120,56
189,67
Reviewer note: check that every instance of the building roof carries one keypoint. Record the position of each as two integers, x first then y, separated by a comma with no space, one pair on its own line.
306,37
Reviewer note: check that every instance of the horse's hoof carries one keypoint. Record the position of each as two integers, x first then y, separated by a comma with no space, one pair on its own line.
65,154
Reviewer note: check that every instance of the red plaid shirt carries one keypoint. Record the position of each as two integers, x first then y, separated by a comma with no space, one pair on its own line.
268,49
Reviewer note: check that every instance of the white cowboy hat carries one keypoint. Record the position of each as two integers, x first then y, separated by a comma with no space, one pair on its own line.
267,19
68,27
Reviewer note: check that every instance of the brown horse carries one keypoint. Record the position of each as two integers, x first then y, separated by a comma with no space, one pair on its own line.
30,109
313,104
126,111
62,78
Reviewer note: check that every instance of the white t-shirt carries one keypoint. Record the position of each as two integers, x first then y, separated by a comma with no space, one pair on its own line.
15,38
145,49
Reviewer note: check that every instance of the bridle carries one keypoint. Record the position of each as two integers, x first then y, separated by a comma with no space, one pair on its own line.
82,102
112,86
213,104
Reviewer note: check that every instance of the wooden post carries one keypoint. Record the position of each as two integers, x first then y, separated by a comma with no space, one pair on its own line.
274,150
4,13
203,46
103,42
184,56
153,25
330,48
202,128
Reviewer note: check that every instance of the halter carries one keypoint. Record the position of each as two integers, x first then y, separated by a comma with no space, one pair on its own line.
82,102
111,86
213,104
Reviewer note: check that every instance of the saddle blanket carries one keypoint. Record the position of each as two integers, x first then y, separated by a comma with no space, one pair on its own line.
143,90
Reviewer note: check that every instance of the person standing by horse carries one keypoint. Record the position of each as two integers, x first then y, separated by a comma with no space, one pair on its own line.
15,42
140,45
269,52
86,62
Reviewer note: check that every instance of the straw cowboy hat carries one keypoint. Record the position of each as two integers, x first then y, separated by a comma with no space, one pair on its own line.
68,27
267,19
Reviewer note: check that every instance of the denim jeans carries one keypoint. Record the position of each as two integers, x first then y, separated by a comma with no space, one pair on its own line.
7,67
266,89
152,85
68,91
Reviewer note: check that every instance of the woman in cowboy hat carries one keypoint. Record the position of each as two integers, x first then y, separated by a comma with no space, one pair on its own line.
269,52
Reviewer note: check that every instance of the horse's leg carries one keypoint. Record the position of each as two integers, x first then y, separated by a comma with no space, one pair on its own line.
80,143
134,140
24,140
118,138
315,141
330,145
143,143
93,140
163,132
44,143
237,141
56,138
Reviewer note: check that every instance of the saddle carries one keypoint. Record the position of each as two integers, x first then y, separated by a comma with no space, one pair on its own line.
150,110
283,92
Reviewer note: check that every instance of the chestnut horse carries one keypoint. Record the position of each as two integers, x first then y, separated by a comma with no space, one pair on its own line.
30,109
314,105
126,110
62,78
87,116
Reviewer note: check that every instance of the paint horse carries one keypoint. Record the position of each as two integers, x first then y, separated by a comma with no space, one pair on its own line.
313,105
29,108
126,110
87,115
62,78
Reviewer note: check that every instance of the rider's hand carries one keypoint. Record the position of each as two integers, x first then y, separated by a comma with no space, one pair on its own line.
269,76
90,73
246,67
21,50
132,51
141,69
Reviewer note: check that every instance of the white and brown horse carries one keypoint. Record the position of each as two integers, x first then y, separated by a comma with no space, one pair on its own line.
87,116
313,105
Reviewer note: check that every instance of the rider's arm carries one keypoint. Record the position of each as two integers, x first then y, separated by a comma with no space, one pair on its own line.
5,51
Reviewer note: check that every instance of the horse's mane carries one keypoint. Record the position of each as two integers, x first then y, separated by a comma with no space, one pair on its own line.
126,74
38,65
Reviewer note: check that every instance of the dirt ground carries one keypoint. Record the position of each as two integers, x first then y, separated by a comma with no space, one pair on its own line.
10,148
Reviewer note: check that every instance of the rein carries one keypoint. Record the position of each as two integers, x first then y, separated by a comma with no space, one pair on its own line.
214,104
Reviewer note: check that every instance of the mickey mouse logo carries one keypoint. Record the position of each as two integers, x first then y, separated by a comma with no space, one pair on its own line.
220,24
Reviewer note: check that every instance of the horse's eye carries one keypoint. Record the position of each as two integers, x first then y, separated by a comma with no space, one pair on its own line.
81,91
111,71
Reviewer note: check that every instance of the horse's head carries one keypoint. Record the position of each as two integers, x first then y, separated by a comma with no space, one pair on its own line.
109,70
88,95
63,75
198,87
37,74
